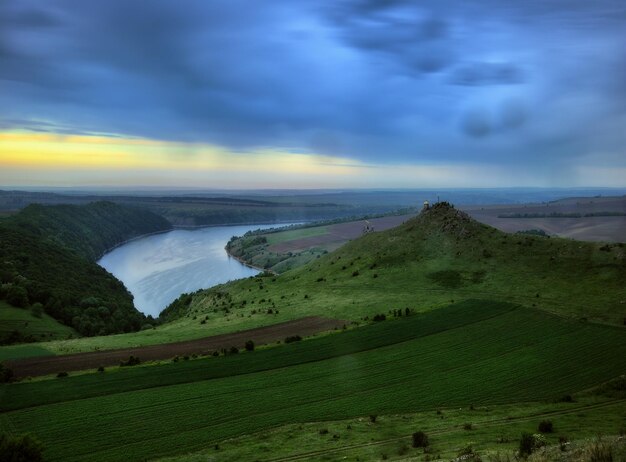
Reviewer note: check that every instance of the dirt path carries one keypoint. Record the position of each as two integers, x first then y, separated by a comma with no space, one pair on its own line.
31,367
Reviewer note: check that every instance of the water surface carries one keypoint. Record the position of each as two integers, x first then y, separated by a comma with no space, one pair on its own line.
157,269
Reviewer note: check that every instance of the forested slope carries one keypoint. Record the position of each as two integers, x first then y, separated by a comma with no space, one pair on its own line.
47,256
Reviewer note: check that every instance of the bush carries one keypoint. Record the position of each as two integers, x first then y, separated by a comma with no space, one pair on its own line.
467,426
6,374
379,317
528,443
293,338
233,350
420,440
373,418
62,374
545,426
23,448
37,310
132,361
249,345
17,296
101,369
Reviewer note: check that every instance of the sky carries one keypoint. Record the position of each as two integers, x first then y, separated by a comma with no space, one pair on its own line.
313,94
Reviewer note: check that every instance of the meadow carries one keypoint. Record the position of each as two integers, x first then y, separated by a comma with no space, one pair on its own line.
490,354
21,324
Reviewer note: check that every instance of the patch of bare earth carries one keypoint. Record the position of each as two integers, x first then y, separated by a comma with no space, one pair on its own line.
590,228
338,234
31,367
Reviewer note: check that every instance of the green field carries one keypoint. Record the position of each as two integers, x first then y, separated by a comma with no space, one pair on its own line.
284,236
28,326
495,431
474,353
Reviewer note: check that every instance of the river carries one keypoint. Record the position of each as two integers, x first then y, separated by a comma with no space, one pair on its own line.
157,269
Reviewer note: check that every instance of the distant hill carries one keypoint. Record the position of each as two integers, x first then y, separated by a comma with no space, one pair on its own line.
48,254
90,230
439,256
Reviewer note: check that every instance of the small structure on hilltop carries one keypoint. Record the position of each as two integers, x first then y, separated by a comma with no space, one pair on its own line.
426,206
368,228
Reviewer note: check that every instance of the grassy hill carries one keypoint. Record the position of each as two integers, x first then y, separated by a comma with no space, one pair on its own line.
473,353
440,256
47,256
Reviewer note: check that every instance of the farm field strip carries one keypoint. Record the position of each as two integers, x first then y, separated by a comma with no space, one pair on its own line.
437,431
519,351
367,338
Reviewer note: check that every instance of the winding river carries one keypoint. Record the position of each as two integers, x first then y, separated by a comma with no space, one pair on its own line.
157,269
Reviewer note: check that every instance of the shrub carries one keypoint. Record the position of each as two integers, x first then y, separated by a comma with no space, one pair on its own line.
233,350
379,317
545,426
6,374
23,448
249,345
323,431
373,418
17,296
62,374
355,273
467,426
420,440
101,369
528,443
600,452
468,453
132,361
293,338
37,310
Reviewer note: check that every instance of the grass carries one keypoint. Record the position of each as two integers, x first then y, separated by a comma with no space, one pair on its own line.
497,430
493,355
424,264
26,325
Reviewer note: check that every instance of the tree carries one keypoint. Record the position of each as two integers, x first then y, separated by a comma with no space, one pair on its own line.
23,448
420,440
37,310
17,296
249,345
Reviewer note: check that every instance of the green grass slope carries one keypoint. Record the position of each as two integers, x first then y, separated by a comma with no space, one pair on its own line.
439,256
494,354
21,323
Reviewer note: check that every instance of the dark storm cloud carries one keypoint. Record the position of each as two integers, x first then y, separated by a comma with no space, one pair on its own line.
487,74
400,79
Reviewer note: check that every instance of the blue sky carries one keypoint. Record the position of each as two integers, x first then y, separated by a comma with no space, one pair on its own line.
412,94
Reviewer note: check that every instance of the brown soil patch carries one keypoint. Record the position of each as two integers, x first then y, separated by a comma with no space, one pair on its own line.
31,367
603,228
338,234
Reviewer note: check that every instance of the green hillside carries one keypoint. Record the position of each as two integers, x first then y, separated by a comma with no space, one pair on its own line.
438,257
90,229
47,256
22,324
475,353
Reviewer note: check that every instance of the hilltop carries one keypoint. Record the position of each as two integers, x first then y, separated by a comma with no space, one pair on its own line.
442,255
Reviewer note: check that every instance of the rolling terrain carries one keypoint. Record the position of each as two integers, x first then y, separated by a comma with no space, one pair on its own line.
451,327
396,366
48,257
581,218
